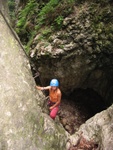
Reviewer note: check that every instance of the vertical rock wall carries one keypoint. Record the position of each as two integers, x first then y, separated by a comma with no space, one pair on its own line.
80,55
4,8
23,126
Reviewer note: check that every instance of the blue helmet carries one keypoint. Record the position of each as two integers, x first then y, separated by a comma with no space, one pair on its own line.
54,82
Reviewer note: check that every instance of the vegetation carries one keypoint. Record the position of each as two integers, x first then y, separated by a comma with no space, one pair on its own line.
11,4
37,15
46,16
54,12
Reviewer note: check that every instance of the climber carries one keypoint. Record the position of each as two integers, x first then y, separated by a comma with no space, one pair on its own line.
54,97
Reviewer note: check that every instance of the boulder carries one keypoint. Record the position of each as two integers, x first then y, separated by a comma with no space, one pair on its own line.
97,129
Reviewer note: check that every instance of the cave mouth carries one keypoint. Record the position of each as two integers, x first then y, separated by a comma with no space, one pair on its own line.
78,107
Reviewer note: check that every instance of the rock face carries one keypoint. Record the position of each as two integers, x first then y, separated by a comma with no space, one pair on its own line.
97,129
79,58
81,54
4,8
23,125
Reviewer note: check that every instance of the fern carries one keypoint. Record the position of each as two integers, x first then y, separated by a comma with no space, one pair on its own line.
49,7
29,9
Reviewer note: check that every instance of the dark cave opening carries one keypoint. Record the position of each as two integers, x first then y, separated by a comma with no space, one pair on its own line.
78,107
90,99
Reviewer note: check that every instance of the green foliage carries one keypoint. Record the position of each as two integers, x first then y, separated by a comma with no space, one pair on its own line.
11,5
25,24
21,22
36,15
58,22
25,14
27,46
46,32
48,8
54,11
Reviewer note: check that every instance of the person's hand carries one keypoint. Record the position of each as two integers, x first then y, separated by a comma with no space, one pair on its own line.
51,107
38,87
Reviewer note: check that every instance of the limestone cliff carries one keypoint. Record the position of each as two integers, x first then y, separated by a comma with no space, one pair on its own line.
80,55
23,125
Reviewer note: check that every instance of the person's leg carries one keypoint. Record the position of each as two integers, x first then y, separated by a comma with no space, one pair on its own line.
54,112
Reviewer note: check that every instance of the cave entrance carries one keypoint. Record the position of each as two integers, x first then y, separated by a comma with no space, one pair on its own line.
78,107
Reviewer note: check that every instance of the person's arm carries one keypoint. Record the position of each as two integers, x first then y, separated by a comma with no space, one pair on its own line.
58,101
43,88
